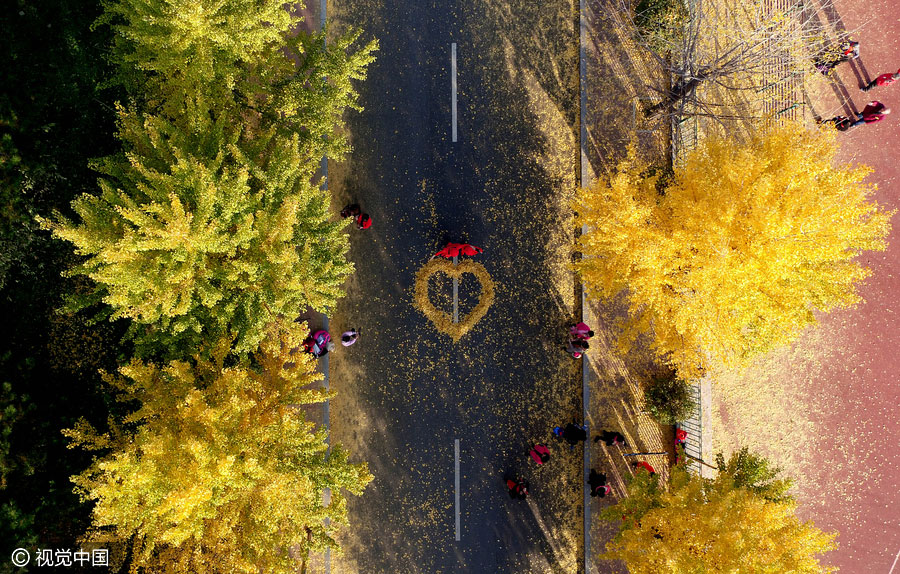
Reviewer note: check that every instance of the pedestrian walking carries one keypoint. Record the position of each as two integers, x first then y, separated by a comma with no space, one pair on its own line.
540,453
469,250
572,433
610,438
351,210
830,58
841,123
452,250
577,347
349,337
872,113
318,344
643,465
849,50
580,331
518,488
681,437
597,482
882,80
449,251
363,221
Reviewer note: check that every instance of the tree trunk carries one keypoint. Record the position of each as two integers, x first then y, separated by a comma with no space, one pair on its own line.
679,92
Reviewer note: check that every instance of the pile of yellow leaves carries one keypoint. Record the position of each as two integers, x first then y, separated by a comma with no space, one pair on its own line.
443,322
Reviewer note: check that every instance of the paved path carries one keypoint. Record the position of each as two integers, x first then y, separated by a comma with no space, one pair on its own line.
832,415
855,397
406,392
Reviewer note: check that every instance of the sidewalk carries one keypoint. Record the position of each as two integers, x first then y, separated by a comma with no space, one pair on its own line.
617,78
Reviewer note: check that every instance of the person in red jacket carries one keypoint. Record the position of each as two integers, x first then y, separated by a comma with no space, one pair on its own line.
611,438
452,250
646,466
872,113
517,488
469,250
449,251
882,80
363,221
580,331
540,453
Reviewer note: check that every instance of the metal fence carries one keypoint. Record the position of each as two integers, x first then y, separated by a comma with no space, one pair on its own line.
693,446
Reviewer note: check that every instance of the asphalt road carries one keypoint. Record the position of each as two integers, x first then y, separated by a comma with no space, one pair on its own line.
406,391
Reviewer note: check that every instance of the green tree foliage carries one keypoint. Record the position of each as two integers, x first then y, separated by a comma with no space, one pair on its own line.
192,247
756,474
699,525
218,465
176,51
12,408
53,119
668,399
209,223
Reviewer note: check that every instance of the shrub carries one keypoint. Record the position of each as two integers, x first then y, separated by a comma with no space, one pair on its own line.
668,399
756,474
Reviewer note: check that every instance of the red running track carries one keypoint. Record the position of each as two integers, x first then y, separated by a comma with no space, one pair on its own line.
857,491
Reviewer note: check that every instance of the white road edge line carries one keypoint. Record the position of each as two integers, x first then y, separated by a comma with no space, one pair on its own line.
453,86
455,294
895,562
456,484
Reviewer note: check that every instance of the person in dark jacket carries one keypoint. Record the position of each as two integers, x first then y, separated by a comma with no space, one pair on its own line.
351,210
572,434
610,438
597,482
577,347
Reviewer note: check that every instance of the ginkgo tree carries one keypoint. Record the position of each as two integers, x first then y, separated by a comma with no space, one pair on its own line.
192,240
698,525
218,465
733,253
210,222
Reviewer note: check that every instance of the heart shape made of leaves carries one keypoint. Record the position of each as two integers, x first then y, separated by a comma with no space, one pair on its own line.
443,322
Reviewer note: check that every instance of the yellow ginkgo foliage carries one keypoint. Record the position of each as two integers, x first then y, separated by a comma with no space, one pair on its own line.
734,253
218,469
702,526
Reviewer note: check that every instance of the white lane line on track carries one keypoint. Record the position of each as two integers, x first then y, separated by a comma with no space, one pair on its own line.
456,484
453,86
895,562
